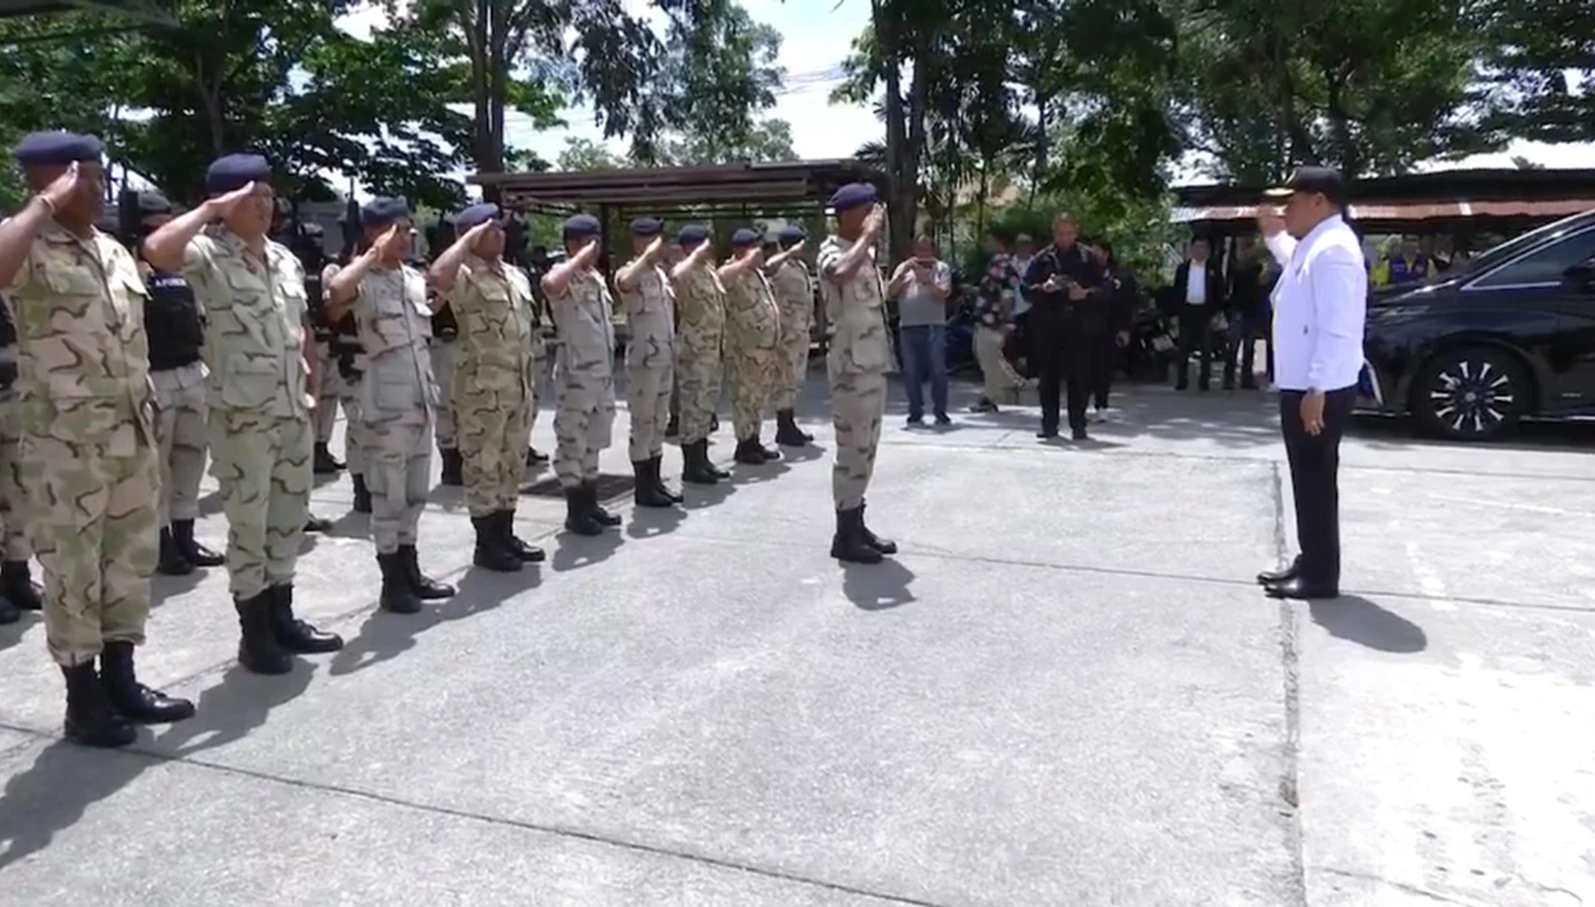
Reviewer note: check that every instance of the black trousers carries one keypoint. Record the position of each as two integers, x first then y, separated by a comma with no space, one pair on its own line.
1063,364
1314,470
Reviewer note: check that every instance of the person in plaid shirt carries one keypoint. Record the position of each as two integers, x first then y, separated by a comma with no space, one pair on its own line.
994,313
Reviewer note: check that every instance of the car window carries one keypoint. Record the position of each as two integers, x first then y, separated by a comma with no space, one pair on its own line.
1545,266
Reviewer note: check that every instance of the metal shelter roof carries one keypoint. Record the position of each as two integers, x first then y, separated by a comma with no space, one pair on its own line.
795,187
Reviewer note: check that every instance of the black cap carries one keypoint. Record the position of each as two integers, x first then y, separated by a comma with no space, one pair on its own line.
1325,181
151,204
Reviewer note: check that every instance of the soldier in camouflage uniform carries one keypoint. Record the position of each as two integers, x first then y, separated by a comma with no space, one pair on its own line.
88,435
176,331
857,364
340,376
18,591
397,395
584,381
700,332
794,296
753,332
253,292
493,381
310,245
650,303
538,266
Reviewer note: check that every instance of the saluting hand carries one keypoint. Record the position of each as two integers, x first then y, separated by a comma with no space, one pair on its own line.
224,204
874,221
588,253
1268,221
63,188
655,249
394,242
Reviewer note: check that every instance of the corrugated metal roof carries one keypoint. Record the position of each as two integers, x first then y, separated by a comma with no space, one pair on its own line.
1407,211
792,181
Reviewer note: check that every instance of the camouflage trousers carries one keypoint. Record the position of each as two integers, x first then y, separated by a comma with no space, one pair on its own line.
13,504
263,466
442,353
793,353
337,390
698,373
858,403
648,402
398,458
91,520
752,373
492,443
180,438
584,417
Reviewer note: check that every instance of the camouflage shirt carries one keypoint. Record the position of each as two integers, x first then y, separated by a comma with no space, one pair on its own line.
702,300
794,290
78,305
255,330
584,316
650,311
395,328
752,320
856,310
492,301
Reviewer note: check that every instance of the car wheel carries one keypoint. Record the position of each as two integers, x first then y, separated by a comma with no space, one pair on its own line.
1471,394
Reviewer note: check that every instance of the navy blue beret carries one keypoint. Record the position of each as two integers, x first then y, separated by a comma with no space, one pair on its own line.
852,196
57,149
153,203
381,211
692,234
791,235
746,237
580,226
479,213
235,171
647,226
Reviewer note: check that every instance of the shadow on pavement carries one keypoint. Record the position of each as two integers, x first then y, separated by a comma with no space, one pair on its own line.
877,587
573,552
53,793
1358,620
649,522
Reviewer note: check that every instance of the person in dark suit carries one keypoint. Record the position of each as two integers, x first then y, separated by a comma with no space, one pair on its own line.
1198,297
1068,292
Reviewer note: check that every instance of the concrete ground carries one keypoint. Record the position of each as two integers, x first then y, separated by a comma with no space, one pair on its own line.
1065,691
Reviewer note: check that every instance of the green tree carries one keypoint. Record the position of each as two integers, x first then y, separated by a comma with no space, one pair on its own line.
582,154
1541,64
767,140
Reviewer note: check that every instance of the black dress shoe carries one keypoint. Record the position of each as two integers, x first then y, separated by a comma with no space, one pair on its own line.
315,523
1047,434
1302,589
1275,577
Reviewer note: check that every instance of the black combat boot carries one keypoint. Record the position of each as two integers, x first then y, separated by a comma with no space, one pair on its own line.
749,452
296,635
135,701
453,467
695,465
325,464
90,719
600,516
192,550
849,545
398,593
315,523
16,583
362,495
172,562
533,458
258,649
519,547
578,518
659,482
647,492
787,432
491,551
884,546
427,588
8,612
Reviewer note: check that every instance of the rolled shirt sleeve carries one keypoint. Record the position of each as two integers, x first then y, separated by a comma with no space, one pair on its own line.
1339,309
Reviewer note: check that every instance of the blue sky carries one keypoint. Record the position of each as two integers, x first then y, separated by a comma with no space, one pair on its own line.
817,35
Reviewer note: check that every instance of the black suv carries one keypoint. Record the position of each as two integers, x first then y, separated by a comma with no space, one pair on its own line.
1509,335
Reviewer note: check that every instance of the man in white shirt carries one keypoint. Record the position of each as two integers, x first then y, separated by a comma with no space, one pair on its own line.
1320,304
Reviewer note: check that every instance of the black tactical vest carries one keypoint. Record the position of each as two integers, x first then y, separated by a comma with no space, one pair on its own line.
171,318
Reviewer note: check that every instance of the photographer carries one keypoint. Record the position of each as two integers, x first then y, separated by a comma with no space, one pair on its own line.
1068,293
